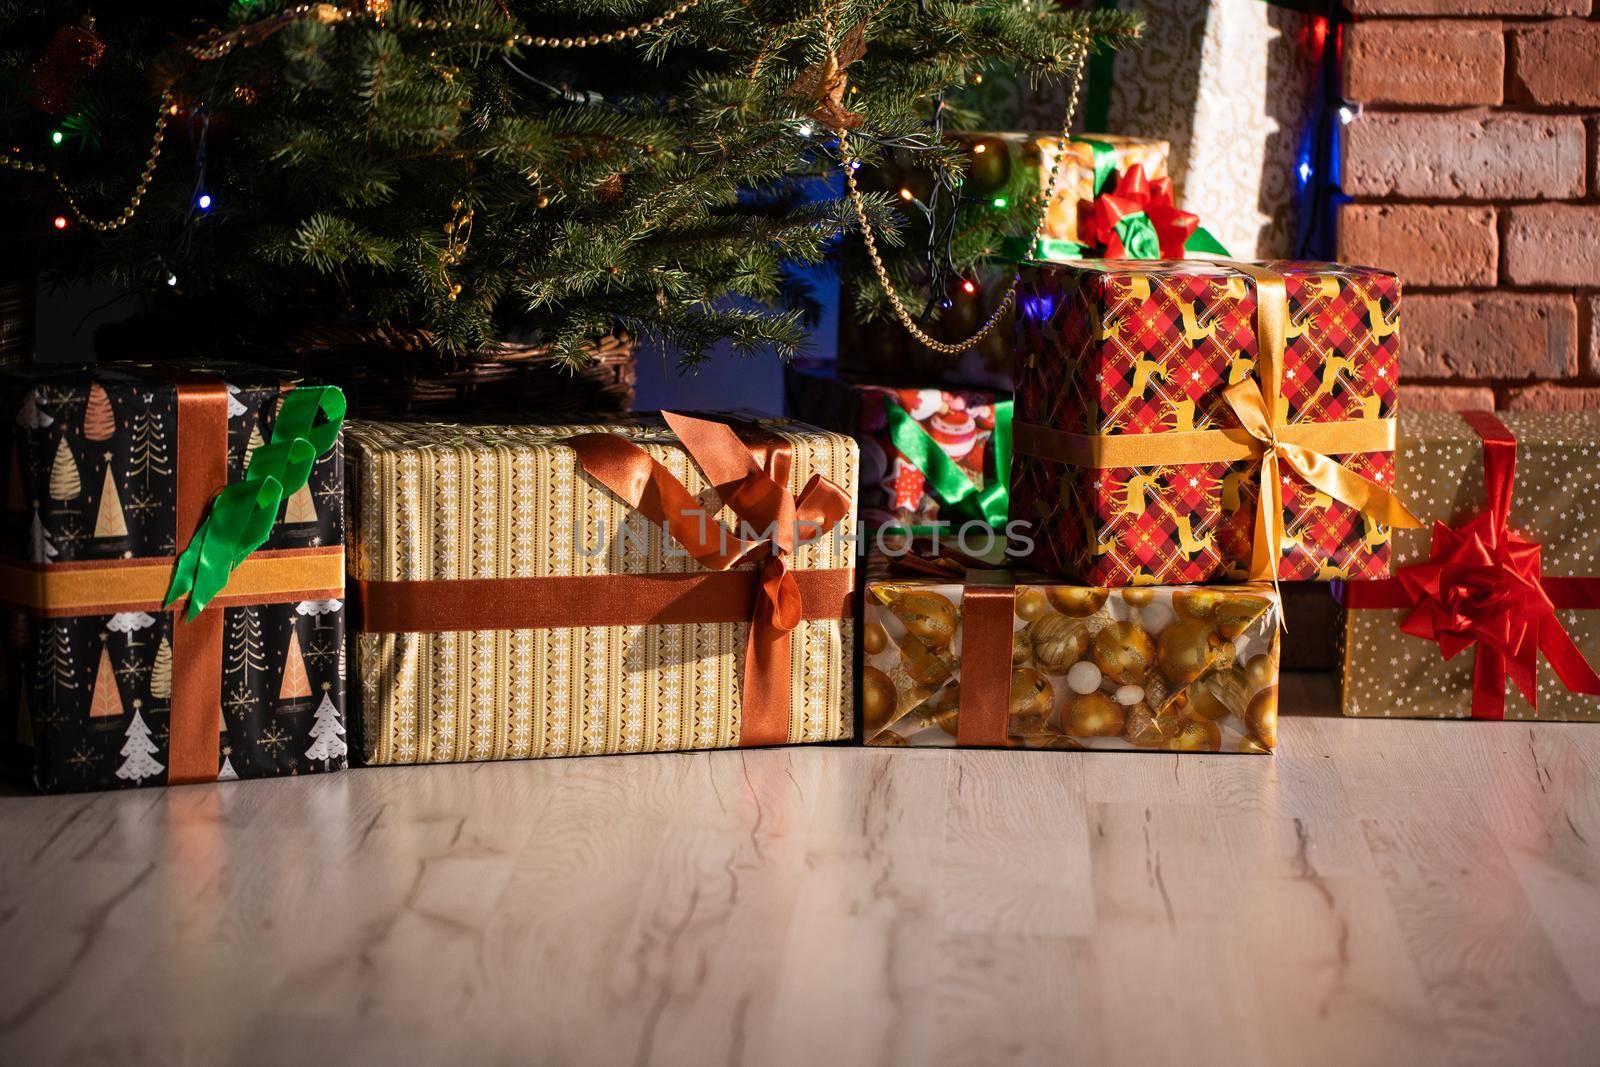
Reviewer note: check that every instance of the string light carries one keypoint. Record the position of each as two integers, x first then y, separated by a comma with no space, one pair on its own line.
57,137
1000,201
60,222
172,281
968,286
979,149
905,194
1346,115
204,203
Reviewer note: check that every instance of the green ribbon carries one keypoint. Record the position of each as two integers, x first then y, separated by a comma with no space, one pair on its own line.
950,484
1139,239
1104,156
243,514
1203,240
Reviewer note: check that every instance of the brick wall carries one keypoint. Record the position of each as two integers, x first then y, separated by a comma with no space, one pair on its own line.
1474,168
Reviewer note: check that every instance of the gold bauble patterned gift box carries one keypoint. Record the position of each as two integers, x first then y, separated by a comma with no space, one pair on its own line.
1440,460
1175,669
505,519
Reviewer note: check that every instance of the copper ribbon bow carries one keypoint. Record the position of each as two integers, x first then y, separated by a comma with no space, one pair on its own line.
1263,433
1481,587
778,520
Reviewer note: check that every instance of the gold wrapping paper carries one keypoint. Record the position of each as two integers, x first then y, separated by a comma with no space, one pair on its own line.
439,501
1385,672
1075,183
1178,669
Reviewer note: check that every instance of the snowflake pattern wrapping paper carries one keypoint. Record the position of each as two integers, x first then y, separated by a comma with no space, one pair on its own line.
1116,353
448,504
1387,672
92,489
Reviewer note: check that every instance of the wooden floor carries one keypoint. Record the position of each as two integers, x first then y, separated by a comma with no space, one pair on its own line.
1381,891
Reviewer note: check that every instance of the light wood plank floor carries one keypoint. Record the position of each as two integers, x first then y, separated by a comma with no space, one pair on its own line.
1381,891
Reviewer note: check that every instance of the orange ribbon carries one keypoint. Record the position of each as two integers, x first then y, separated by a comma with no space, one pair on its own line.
758,494
1263,433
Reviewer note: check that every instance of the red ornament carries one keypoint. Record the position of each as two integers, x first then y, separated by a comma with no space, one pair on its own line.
74,52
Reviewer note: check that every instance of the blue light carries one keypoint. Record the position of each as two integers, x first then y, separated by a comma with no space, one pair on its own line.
204,203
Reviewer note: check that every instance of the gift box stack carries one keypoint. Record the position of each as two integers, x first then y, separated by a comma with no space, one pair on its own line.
1179,426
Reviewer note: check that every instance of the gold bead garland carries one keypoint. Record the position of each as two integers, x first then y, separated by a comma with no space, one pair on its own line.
848,160
218,44
166,110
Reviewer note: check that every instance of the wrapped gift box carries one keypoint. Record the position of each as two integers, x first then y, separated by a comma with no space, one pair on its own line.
1448,596
1149,399
996,660
112,469
1014,164
954,465
530,591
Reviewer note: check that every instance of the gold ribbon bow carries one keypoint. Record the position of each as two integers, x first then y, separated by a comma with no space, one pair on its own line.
1256,404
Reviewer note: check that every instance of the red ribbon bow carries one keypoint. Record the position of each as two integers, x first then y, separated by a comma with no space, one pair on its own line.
1134,194
1481,587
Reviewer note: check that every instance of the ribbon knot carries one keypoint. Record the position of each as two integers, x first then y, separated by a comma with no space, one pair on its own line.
777,521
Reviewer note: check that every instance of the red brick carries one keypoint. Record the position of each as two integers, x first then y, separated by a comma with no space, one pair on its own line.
1489,335
1552,244
1438,63
1547,397
1425,244
1475,154
1468,7
1446,398
1556,64
1593,359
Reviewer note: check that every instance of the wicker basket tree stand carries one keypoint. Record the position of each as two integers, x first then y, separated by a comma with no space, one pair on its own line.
387,371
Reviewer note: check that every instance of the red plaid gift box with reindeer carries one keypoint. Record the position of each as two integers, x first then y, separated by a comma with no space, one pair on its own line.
1206,420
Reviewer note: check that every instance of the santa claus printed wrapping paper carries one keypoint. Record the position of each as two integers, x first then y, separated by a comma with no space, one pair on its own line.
1199,421
928,456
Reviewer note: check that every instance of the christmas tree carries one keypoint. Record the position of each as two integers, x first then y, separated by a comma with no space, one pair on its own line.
139,750
64,481
327,732
484,169
99,423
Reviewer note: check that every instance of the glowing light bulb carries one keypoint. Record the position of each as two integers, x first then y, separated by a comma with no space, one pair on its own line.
1346,116
1305,171
60,222
979,149
204,203
57,137
806,129
905,194
968,286
172,280
999,201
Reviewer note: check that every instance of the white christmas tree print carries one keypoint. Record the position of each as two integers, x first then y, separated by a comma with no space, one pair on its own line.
227,774
327,731
40,550
234,405
139,750
32,416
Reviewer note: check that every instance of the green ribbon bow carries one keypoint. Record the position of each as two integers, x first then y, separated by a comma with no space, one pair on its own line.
950,484
242,515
